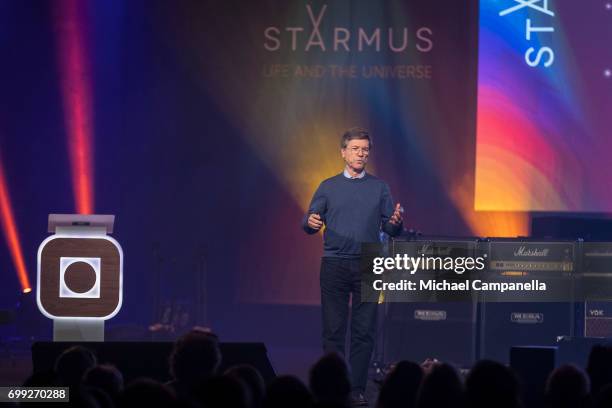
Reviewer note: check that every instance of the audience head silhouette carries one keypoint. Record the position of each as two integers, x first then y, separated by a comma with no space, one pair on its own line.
105,377
599,367
252,379
329,380
441,388
491,384
567,387
195,357
400,386
72,364
287,391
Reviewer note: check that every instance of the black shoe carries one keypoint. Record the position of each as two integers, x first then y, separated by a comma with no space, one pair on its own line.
359,400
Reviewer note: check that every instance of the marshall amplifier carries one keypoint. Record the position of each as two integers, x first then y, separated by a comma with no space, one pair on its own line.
597,288
524,322
437,326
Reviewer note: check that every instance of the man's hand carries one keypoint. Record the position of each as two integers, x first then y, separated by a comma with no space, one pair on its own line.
396,218
315,222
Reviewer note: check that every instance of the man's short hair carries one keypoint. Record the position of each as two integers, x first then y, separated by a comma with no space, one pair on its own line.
353,133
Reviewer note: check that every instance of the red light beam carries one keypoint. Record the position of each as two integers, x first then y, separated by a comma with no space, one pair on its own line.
9,228
75,78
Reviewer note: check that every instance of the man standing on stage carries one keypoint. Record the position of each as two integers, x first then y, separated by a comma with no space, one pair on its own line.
354,206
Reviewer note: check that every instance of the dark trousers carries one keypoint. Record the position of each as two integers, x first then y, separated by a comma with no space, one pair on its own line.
339,279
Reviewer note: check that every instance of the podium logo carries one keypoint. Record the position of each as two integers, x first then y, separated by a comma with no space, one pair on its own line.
79,277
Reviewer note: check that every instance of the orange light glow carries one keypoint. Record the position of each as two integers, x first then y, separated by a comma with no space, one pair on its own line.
487,223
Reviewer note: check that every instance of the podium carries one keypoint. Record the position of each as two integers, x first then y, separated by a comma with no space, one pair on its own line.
79,280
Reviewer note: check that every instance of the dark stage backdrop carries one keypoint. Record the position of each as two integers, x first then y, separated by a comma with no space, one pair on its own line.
212,123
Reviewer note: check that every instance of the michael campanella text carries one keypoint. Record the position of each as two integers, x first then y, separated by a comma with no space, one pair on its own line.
444,285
